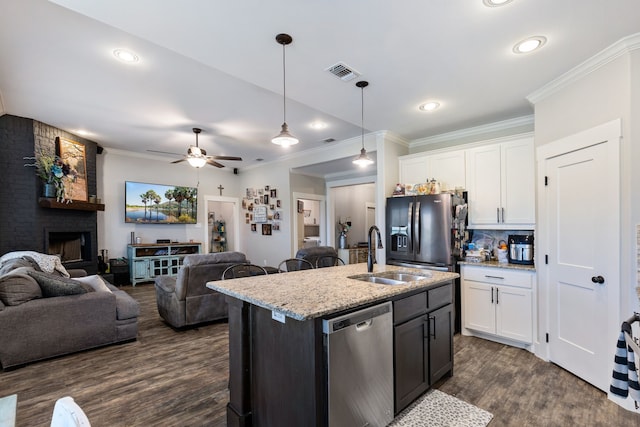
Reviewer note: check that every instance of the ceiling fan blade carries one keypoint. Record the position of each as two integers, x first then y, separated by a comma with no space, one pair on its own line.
214,163
164,152
225,158
178,161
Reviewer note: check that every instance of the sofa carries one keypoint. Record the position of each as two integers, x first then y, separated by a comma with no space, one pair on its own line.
48,313
185,300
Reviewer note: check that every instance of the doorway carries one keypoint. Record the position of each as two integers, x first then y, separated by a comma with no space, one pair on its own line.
579,239
308,211
353,204
221,233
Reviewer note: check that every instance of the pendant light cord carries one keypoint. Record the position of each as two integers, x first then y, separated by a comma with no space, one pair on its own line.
284,85
362,113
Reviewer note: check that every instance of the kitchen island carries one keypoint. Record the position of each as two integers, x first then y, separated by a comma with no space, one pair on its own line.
277,359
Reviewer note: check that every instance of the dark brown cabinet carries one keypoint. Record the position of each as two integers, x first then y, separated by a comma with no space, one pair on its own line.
423,342
278,372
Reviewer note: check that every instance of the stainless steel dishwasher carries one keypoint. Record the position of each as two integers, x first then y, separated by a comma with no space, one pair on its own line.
359,350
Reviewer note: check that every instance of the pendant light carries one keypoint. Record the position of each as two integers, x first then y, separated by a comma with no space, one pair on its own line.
284,138
362,160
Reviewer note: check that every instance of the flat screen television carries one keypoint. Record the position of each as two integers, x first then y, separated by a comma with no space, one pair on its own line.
160,204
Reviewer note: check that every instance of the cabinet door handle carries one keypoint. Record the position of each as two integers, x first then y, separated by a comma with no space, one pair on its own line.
497,296
497,214
493,277
502,214
433,330
492,295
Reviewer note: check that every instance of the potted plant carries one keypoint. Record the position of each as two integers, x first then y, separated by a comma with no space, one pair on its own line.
53,172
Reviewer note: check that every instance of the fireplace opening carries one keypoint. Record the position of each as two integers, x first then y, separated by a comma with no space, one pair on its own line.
70,246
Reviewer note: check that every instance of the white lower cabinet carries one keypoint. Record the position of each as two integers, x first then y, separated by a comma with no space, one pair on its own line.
498,302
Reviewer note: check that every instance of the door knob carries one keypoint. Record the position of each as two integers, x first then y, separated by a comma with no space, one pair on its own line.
597,279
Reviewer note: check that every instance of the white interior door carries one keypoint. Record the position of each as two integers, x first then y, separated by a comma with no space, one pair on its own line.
370,216
582,199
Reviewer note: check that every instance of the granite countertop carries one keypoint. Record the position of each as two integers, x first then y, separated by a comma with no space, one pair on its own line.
309,294
497,264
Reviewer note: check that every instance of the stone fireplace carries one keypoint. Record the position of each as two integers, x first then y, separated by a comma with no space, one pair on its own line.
27,223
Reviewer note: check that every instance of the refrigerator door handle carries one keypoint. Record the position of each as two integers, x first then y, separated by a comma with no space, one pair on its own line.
417,223
410,226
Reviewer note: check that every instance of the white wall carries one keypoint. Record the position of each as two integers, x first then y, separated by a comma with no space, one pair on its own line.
267,250
600,96
114,168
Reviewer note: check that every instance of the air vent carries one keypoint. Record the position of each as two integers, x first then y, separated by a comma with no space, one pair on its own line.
328,140
343,71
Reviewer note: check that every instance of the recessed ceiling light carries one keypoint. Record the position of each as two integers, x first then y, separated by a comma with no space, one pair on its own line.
530,44
495,3
82,132
125,55
318,125
429,106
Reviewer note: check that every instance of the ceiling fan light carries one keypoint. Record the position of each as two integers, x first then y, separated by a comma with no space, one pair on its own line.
197,162
363,160
195,151
284,138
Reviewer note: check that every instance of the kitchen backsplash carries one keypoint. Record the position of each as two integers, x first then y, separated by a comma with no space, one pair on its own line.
489,239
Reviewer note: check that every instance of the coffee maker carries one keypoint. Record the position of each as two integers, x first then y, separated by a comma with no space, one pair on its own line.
521,249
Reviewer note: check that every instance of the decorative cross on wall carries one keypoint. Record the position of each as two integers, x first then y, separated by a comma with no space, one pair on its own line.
220,187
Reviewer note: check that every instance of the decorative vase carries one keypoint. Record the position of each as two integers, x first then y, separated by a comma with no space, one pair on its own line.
48,190
342,241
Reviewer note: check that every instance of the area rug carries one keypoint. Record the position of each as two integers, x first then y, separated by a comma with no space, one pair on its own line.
439,409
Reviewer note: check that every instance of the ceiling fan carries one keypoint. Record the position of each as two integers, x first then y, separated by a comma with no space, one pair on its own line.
197,157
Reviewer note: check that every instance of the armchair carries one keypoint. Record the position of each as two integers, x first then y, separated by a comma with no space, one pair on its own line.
185,300
313,253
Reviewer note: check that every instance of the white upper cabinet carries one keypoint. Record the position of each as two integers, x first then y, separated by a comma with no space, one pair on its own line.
501,185
413,169
447,167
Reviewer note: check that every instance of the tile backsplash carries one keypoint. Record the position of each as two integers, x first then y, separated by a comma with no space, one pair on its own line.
489,239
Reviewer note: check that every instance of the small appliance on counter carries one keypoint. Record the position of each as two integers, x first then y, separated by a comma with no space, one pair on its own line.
521,249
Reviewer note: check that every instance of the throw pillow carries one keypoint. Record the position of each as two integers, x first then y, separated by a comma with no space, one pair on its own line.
18,287
53,285
95,281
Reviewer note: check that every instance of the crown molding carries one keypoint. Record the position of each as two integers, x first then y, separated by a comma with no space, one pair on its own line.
392,137
599,60
474,131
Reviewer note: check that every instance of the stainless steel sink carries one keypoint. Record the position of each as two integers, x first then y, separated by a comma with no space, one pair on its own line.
390,278
403,277
378,280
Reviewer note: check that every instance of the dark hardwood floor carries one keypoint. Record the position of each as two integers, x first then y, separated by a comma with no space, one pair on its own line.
179,378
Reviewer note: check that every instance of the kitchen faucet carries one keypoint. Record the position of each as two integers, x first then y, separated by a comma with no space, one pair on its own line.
371,256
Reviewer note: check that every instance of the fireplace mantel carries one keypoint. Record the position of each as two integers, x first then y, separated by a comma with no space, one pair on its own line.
46,202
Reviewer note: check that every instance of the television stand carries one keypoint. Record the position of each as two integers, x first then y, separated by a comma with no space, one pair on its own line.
146,261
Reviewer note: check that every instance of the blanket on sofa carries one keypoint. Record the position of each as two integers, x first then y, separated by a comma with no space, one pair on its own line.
47,263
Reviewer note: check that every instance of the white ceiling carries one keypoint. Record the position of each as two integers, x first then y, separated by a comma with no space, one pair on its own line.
216,65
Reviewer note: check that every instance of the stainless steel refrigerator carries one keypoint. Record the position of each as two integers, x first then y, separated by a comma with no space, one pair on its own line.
419,231
427,232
